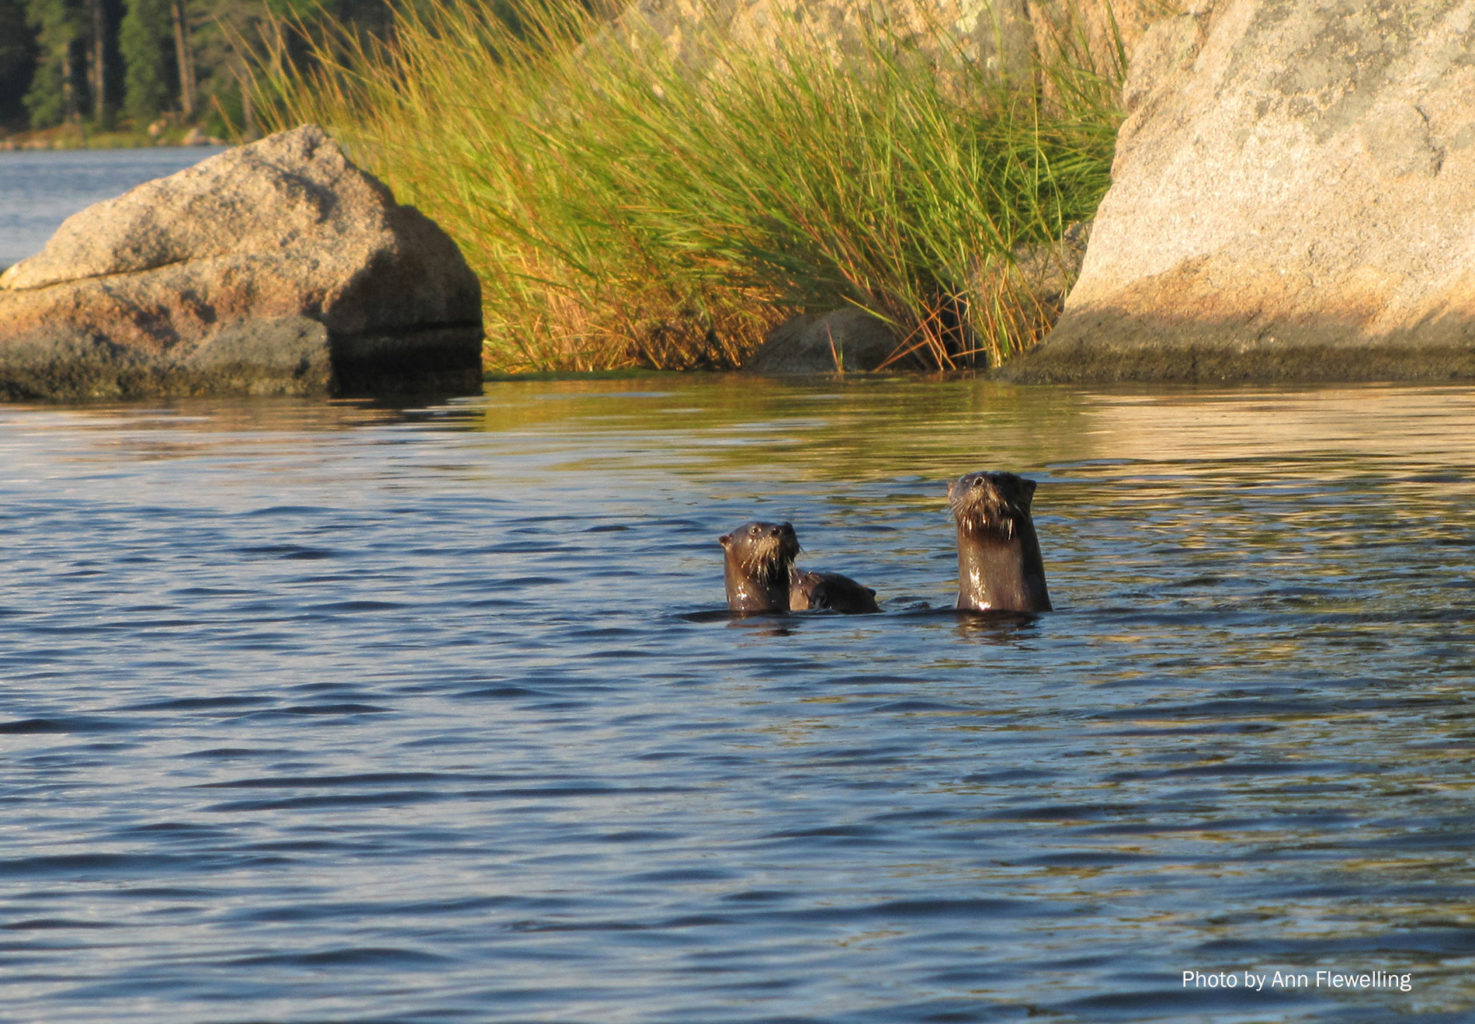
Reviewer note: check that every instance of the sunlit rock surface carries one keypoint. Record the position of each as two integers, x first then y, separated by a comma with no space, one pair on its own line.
1293,197
999,36
277,267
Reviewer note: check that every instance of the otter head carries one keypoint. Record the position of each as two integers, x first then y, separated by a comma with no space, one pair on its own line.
758,559
999,564
990,503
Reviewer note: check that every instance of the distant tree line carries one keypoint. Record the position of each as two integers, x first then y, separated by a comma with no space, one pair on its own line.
111,63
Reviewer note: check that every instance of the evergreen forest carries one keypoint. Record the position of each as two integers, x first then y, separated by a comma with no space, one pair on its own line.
110,65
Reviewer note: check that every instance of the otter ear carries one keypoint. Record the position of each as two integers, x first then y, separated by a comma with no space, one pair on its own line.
1029,487
725,539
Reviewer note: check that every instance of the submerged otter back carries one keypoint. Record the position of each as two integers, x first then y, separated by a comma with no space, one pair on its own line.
830,590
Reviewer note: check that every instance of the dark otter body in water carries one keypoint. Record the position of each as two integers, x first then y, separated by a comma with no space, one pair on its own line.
830,590
759,559
761,575
999,564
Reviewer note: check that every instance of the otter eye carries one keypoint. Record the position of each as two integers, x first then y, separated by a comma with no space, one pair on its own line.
754,531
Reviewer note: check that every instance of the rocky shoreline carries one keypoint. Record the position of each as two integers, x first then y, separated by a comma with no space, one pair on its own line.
1292,199
69,137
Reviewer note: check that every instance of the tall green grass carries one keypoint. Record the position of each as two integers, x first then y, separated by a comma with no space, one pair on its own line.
623,206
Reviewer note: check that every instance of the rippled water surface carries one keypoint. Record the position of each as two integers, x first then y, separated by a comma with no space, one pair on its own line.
39,190
327,712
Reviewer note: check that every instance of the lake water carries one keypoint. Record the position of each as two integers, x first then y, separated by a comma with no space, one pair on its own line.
39,190
344,712
336,712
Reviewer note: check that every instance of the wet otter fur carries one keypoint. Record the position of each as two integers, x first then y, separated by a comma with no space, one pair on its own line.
759,559
999,564
760,575
830,590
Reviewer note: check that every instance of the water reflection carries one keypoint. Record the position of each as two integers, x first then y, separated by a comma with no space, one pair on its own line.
340,711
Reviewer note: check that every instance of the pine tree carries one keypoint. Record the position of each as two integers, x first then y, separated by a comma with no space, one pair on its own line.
184,57
17,58
145,42
57,25
99,31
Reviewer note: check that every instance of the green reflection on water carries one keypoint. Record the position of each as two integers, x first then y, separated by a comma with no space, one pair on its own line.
882,426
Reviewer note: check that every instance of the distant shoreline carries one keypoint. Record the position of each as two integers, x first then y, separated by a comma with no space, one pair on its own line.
71,137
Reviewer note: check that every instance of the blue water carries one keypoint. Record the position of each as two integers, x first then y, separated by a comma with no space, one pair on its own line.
336,712
39,190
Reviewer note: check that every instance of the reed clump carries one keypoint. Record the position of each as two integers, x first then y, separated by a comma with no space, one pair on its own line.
624,206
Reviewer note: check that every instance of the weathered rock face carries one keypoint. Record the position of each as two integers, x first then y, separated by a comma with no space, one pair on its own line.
276,267
994,33
843,341
1293,197
1001,36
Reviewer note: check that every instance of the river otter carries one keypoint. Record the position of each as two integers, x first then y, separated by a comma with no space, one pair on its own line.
759,560
829,590
761,576
999,565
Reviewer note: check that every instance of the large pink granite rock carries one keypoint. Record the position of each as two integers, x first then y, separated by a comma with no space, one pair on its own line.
1293,198
276,267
